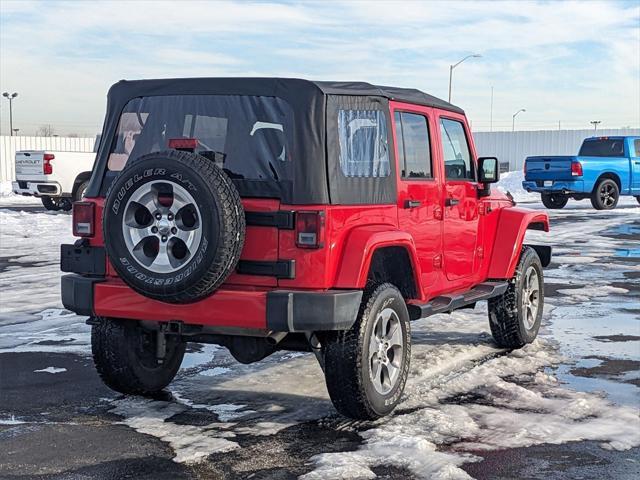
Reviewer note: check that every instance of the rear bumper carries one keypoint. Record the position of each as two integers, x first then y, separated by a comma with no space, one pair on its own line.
49,189
273,310
558,186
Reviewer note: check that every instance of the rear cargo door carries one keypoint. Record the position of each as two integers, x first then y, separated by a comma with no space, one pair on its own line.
29,165
548,169
259,264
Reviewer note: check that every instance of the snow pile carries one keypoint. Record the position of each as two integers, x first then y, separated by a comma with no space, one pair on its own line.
7,197
5,189
512,182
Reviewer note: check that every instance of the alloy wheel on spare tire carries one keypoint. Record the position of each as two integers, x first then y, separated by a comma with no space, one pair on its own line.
554,200
173,225
605,195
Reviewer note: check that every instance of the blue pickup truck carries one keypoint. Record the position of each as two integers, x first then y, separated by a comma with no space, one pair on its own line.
605,168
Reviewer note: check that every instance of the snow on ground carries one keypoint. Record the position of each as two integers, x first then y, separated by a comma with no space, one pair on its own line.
512,182
30,307
50,370
464,396
8,198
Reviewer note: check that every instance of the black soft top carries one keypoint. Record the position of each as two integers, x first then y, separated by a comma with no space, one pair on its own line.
285,88
311,102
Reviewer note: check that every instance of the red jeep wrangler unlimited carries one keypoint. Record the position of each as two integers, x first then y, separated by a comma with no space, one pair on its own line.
267,214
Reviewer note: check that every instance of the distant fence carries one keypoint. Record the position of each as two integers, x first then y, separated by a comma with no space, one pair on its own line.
514,147
509,147
9,146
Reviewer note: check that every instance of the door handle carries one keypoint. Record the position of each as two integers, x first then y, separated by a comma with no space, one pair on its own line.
412,203
450,202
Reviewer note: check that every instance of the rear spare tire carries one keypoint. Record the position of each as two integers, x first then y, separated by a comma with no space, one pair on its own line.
173,226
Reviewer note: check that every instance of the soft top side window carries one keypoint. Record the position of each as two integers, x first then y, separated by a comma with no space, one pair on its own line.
364,151
458,164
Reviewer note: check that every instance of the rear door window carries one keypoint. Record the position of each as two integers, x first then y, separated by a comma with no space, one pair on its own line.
364,151
458,164
414,150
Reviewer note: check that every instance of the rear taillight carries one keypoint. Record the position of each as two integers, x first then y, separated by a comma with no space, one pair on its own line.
47,168
310,229
576,169
83,219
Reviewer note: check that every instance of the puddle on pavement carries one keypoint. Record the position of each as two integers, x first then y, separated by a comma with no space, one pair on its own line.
617,389
580,329
625,229
627,252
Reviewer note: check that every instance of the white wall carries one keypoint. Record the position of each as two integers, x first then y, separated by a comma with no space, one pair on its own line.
511,147
514,147
9,145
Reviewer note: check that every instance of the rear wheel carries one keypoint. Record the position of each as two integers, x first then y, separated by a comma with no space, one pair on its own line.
554,200
605,195
514,317
638,198
80,191
124,354
56,203
366,367
50,204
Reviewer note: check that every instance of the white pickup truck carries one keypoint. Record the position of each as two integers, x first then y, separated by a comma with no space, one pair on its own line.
58,178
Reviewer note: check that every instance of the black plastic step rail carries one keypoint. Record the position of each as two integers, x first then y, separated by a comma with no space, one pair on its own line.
449,303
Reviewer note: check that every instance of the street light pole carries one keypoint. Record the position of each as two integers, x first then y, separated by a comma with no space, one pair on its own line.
10,98
513,119
595,124
451,67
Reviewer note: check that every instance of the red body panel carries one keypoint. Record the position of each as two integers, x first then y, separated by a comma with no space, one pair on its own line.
512,225
451,247
226,307
260,243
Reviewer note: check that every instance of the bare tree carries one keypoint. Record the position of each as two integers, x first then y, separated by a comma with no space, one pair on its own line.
45,131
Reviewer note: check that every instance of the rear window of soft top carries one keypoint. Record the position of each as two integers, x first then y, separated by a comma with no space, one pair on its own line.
249,136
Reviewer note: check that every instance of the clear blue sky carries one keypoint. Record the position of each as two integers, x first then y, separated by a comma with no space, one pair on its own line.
563,61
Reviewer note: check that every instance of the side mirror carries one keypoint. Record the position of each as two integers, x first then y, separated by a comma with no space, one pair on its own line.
489,170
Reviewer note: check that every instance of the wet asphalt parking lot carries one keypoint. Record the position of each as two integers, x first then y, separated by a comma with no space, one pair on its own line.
565,408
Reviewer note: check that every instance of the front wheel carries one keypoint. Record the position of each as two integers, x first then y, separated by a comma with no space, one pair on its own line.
606,195
366,367
514,316
554,200
125,355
